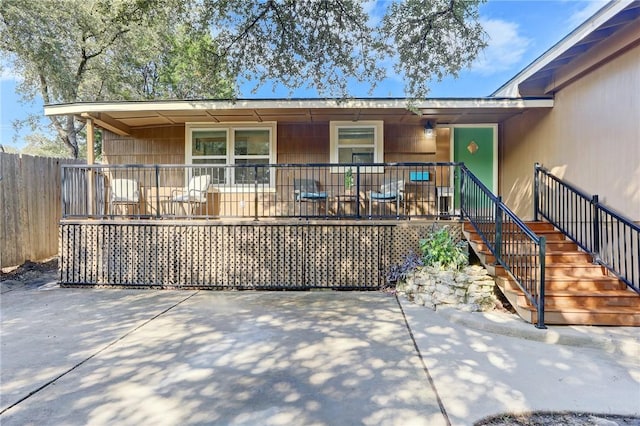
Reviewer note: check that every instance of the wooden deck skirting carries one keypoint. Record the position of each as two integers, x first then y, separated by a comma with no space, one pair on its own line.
270,254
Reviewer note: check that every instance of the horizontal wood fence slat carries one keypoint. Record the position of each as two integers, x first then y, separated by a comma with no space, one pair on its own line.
29,207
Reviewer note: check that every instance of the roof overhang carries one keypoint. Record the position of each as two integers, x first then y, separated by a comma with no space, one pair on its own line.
610,32
125,117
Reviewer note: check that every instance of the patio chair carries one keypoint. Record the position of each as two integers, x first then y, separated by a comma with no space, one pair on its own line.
389,192
308,190
124,193
194,194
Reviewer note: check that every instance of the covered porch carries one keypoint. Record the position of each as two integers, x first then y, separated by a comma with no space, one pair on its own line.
271,194
258,191
277,226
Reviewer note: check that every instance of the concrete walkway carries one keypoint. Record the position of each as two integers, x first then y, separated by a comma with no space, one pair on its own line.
71,356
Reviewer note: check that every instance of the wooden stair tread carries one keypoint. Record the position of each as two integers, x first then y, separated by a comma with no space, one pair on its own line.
596,293
601,310
576,291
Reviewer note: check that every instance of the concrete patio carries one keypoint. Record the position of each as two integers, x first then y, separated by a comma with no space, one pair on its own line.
72,356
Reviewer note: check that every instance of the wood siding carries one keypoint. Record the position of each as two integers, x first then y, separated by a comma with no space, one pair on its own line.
162,145
591,138
298,143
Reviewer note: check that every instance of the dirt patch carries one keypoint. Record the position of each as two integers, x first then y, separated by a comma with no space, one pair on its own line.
29,270
557,419
30,276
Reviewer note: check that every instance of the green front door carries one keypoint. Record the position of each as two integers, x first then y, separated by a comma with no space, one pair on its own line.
474,146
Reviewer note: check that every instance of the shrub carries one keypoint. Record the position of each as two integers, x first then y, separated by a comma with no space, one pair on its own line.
399,272
440,249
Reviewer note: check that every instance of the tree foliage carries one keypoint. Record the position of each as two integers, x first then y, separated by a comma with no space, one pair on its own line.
101,50
325,43
96,50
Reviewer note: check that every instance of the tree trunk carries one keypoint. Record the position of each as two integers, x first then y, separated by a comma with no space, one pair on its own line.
72,140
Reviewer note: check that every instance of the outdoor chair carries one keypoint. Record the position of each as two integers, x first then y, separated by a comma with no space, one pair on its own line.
194,194
125,193
389,192
308,190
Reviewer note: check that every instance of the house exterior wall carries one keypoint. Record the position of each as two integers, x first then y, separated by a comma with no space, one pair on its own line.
591,138
298,143
161,145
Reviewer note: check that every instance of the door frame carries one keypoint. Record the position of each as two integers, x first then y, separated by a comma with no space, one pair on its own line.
494,126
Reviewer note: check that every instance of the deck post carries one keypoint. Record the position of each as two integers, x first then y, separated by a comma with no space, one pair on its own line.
595,247
358,191
542,263
498,222
157,191
90,161
255,193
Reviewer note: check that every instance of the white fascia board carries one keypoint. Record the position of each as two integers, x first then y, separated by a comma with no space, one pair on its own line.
167,106
77,108
511,89
486,103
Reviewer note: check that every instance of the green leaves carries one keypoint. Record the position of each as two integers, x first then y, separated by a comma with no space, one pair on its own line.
326,44
102,50
296,43
439,248
433,38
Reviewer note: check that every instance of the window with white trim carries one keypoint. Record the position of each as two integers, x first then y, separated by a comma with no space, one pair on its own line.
356,142
232,144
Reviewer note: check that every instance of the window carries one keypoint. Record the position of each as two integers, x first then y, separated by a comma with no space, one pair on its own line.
359,142
242,144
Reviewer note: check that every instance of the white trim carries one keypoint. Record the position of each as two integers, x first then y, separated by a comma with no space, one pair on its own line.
607,12
378,142
230,129
394,103
494,127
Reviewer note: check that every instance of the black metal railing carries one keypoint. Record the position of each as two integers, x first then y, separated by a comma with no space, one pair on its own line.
612,240
256,191
515,247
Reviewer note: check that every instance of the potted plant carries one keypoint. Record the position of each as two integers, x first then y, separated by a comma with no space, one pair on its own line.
348,180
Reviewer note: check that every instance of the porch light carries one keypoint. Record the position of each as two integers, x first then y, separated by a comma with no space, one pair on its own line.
428,129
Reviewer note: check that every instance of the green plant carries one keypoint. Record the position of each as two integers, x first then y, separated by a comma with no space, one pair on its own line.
439,248
348,179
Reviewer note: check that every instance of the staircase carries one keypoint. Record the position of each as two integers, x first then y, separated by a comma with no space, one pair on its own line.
577,291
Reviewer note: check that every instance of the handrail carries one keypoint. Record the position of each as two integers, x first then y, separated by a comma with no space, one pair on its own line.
513,244
611,239
259,190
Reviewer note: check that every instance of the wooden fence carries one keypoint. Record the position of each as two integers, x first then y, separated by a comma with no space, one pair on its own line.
29,207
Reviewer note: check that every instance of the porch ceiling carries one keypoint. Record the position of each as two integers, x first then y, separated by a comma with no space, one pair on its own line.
125,117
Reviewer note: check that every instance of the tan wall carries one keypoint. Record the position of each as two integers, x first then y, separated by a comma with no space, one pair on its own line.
297,143
303,143
162,145
590,138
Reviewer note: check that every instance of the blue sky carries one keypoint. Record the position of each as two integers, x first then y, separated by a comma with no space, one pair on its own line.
519,32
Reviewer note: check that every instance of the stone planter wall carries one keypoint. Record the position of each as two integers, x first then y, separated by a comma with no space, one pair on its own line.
471,289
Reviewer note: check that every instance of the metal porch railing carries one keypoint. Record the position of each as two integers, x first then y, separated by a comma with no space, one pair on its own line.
515,247
257,191
612,240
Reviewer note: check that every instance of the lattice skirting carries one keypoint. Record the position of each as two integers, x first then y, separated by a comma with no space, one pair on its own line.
257,255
